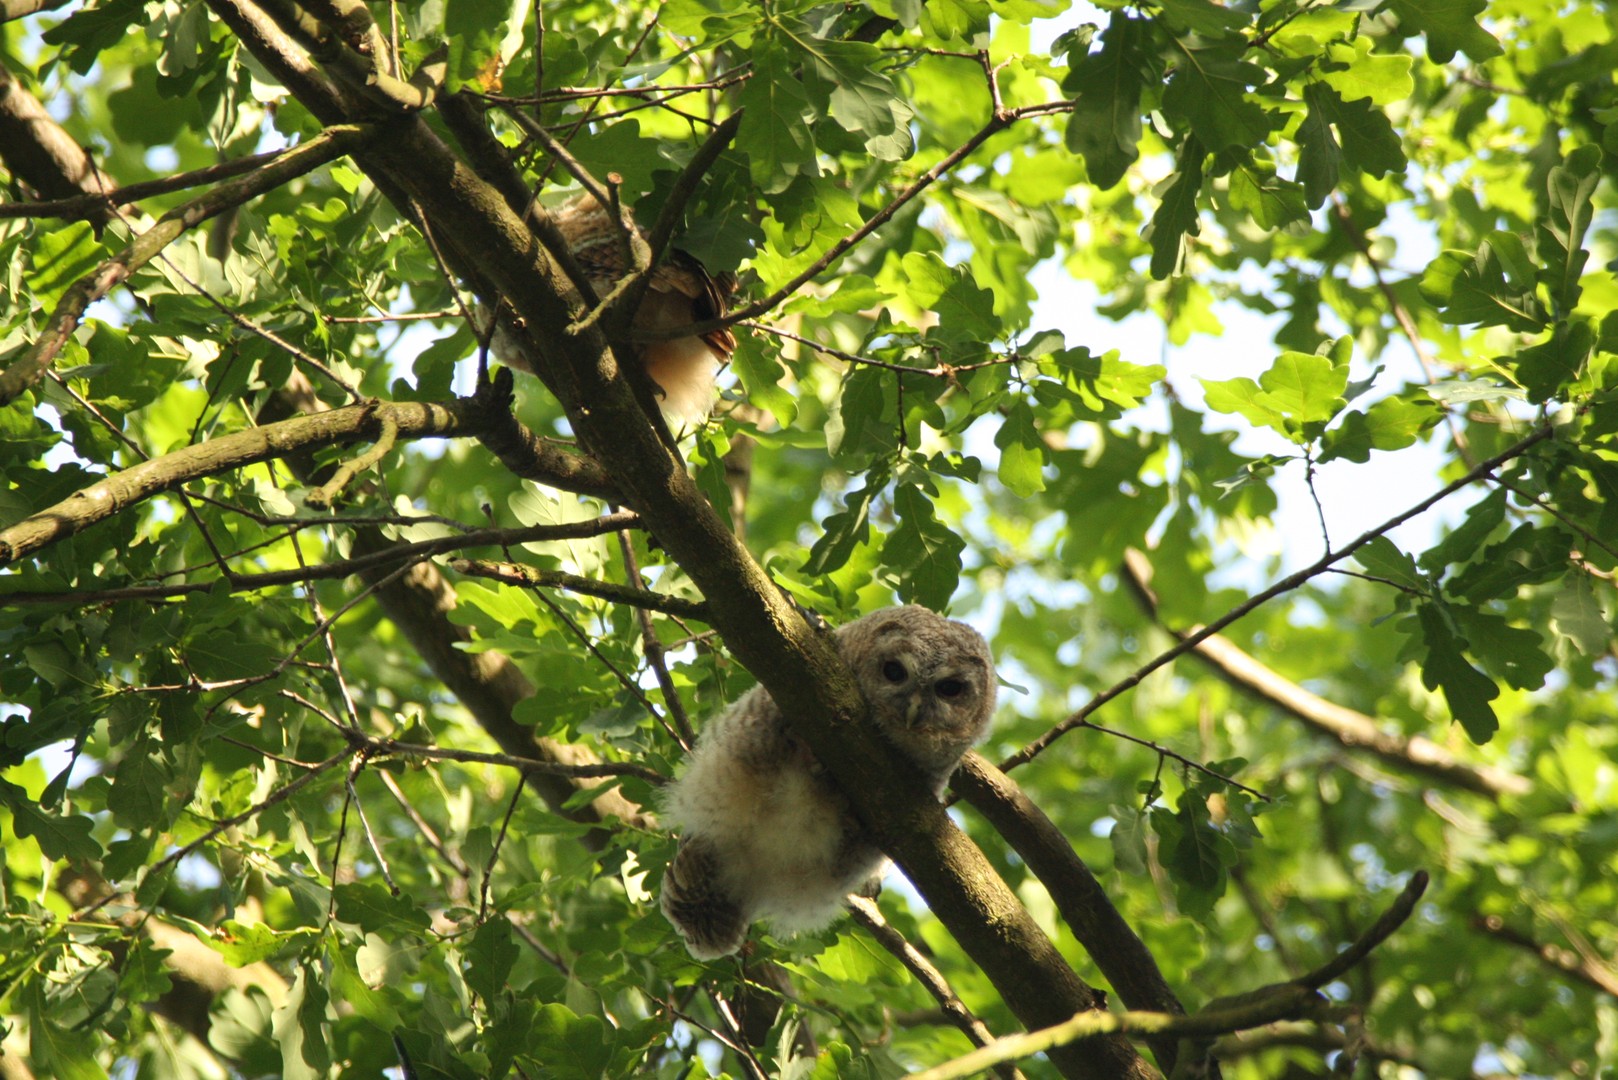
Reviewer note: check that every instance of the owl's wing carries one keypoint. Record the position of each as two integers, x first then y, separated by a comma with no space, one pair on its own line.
590,235
682,292
695,901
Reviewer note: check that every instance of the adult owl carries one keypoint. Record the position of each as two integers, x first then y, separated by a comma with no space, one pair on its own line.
765,833
681,292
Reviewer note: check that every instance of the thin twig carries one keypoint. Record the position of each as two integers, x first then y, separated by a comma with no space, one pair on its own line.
402,553
1285,585
994,126
652,648
518,574
1164,752
868,915
83,205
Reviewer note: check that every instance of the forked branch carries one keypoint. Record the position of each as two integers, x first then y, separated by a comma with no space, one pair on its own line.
1298,999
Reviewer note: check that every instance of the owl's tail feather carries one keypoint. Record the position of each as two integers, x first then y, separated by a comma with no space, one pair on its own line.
695,901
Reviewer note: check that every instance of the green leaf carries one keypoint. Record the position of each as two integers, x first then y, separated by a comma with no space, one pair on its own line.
1209,93
1102,386
1449,25
1381,558
1176,215
1358,73
1105,125
56,1051
775,133
138,797
1576,615
1529,556
1390,424
864,420
1203,17
845,530
1546,369
1196,855
219,657
481,35
371,907
145,976
964,309
1467,539
299,1024
922,551
60,257
1319,156
1568,213
572,1047
1022,451
1368,144
1304,387
1271,201
89,31
1493,286
1467,690
1129,840
714,22
1511,654
242,943
1298,390
1245,397
59,836
762,377
863,99
489,958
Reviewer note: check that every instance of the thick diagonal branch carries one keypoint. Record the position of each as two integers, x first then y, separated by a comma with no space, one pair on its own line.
1111,943
38,150
485,240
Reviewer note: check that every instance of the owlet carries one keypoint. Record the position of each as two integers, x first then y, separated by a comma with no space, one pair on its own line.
765,833
681,292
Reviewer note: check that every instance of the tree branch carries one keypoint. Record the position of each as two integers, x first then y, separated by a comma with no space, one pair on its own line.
1353,730
1120,954
995,125
1586,969
375,748
84,206
868,915
1285,585
37,149
484,239
533,577
1294,1000
392,556
121,490
329,144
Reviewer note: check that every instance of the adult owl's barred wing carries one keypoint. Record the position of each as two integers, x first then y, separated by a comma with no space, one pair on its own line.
709,295
681,292
594,242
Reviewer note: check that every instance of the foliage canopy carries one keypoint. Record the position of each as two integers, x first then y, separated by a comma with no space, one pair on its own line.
338,692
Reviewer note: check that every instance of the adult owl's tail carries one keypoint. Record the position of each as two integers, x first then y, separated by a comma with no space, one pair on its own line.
696,902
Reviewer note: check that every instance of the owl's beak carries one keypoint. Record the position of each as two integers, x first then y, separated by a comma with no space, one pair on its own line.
913,715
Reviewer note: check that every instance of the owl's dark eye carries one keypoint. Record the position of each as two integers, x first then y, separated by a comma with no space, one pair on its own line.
893,671
950,688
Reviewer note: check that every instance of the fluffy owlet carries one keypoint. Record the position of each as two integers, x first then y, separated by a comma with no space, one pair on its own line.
765,834
681,292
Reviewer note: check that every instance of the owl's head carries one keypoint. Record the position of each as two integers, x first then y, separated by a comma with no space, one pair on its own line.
928,681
